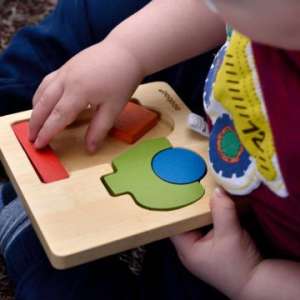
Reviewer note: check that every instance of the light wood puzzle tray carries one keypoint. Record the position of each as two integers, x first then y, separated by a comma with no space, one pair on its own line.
76,219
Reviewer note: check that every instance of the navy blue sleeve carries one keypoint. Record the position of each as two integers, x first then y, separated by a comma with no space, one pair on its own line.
38,50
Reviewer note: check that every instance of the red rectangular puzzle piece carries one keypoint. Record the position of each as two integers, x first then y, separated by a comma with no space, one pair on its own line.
133,122
45,162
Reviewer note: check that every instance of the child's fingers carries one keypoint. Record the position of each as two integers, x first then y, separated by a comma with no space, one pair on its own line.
187,246
63,114
43,108
186,240
224,214
102,122
42,87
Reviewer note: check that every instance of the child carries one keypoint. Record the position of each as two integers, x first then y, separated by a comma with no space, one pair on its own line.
258,160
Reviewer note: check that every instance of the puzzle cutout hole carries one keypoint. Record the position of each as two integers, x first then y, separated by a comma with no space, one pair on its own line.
69,146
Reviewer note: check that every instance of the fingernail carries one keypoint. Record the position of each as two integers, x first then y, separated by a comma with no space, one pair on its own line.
92,147
219,192
37,144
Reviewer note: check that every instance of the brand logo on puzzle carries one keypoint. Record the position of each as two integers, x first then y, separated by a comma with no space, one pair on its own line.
170,99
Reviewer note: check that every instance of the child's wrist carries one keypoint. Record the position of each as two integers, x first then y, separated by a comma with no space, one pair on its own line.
126,55
245,290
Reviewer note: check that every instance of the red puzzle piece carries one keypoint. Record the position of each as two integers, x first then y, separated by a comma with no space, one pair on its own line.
133,122
45,162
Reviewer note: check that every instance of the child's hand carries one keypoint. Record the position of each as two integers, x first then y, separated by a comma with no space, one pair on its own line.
226,257
103,76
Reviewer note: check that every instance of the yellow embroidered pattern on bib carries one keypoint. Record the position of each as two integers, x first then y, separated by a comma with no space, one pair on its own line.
235,90
242,153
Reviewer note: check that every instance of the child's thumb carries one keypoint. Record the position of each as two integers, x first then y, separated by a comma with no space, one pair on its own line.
224,214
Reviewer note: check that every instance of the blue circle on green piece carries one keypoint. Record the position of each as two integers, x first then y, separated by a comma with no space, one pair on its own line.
179,166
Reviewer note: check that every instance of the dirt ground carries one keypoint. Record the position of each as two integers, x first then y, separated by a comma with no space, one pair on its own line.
14,14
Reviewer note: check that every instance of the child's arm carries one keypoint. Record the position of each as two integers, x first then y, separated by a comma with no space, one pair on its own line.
168,31
105,75
227,259
273,279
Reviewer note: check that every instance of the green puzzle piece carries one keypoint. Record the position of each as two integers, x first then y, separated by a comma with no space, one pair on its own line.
134,175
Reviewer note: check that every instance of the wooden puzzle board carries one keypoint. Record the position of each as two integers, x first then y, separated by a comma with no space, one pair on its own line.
76,219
